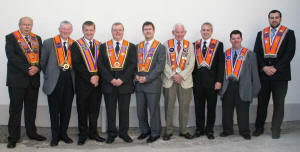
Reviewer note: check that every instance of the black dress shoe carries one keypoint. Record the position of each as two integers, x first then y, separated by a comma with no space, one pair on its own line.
198,133
37,137
97,138
225,134
167,136
126,138
187,135
11,144
110,139
210,136
67,140
54,142
257,132
246,136
152,139
81,141
275,134
143,135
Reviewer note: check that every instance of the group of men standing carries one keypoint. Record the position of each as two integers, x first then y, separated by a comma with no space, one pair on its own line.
117,68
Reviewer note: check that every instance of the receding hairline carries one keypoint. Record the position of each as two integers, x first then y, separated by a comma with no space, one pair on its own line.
25,17
65,22
178,25
117,24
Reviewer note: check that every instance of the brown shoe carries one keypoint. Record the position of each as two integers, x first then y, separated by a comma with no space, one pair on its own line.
167,136
187,135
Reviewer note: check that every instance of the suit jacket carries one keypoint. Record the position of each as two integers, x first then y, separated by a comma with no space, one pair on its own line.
249,83
207,78
82,75
153,77
285,54
186,73
17,65
50,68
126,74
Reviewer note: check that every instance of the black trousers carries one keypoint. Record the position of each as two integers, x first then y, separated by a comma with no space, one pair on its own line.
232,99
88,103
203,96
18,97
278,90
60,105
123,101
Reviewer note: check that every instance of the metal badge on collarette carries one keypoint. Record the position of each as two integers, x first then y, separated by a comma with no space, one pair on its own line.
66,67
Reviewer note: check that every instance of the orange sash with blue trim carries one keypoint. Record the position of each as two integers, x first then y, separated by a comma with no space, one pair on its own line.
270,51
205,61
145,60
31,52
62,58
117,61
234,70
173,56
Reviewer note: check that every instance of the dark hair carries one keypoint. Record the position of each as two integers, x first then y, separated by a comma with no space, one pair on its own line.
148,23
236,32
88,23
274,11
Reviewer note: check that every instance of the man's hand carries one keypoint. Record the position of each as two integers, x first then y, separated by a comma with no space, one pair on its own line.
269,70
218,85
177,78
94,80
32,70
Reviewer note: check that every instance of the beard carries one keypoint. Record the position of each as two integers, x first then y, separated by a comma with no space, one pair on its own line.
275,24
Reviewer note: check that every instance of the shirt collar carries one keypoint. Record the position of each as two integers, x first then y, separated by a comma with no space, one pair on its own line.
115,42
207,41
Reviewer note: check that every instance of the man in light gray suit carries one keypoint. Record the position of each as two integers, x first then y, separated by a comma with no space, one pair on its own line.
241,83
178,81
151,63
59,81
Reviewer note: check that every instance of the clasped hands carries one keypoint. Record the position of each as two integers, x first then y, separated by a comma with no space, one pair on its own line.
269,70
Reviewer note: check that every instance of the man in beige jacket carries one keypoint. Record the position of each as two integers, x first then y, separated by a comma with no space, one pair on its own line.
177,80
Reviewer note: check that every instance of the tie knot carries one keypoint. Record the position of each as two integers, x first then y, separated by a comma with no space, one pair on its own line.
273,30
27,38
178,43
118,43
65,43
204,42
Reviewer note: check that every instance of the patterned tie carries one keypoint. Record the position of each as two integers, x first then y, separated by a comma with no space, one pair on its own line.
27,39
117,47
65,49
273,31
92,48
146,49
204,49
234,57
178,47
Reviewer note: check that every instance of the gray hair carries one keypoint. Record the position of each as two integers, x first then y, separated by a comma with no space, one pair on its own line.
25,17
116,24
178,25
65,22
209,24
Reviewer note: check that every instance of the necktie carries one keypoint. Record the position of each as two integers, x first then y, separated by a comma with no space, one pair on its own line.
118,48
234,57
65,49
92,48
146,48
178,47
204,49
27,39
273,31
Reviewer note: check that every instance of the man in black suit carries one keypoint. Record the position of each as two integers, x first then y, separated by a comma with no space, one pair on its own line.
23,80
208,76
117,64
275,48
84,53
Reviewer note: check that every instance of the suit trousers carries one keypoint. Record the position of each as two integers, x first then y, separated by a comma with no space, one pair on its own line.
278,90
88,103
232,99
184,98
60,105
202,97
123,101
18,97
150,100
